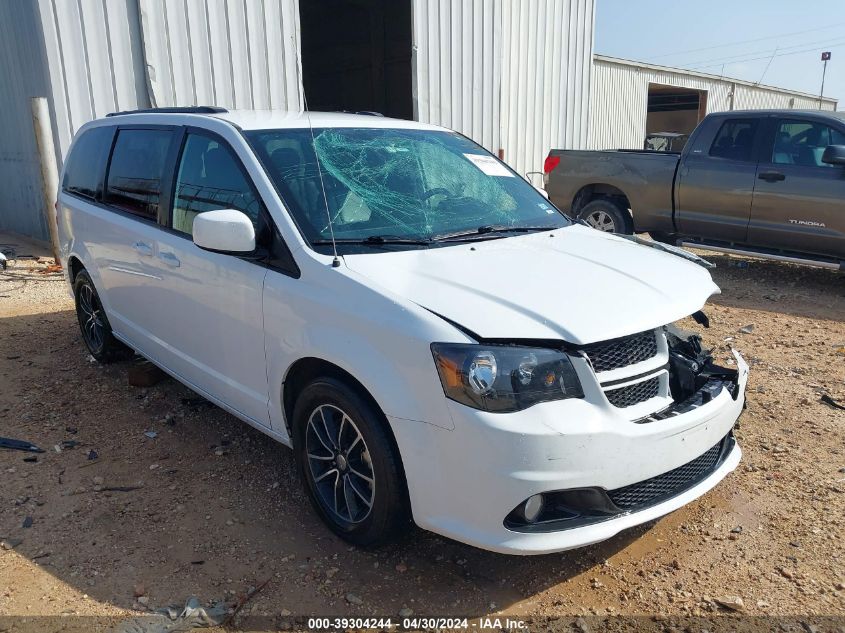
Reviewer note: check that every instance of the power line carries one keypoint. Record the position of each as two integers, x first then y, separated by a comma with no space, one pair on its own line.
738,43
753,59
782,49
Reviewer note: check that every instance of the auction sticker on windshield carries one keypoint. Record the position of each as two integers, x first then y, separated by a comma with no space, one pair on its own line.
488,165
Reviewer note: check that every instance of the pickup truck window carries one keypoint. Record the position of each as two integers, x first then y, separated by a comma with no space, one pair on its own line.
803,143
735,140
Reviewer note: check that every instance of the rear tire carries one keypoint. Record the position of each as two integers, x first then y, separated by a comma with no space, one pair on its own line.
605,215
348,463
94,324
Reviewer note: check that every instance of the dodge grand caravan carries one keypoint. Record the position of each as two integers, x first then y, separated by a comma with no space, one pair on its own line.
432,337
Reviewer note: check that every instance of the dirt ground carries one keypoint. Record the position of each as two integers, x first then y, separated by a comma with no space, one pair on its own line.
210,507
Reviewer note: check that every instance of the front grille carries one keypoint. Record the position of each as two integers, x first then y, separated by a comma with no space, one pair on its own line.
652,491
634,394
622,352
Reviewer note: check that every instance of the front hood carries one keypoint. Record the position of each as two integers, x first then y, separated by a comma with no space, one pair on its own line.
574,284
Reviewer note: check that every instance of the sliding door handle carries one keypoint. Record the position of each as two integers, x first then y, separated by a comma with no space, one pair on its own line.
143,248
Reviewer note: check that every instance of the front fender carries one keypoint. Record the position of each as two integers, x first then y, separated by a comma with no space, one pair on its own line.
385,346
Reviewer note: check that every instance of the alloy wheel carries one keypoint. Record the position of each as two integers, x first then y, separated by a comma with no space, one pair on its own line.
339,464
602,221
91,318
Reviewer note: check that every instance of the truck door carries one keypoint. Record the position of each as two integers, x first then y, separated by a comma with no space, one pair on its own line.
716,179
799,201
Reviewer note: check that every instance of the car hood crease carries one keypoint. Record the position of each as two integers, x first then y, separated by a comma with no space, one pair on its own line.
574,284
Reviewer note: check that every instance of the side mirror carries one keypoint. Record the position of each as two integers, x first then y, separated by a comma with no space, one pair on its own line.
834,155
224,230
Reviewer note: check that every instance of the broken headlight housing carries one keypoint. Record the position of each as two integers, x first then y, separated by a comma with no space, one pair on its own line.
504,378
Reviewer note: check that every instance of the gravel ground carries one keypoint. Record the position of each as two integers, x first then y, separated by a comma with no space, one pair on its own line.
210,507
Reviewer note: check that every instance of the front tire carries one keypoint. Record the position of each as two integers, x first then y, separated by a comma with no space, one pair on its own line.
606,215
94,324
348,463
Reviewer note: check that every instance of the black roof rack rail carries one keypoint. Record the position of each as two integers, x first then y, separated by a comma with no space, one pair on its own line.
362,112
180,110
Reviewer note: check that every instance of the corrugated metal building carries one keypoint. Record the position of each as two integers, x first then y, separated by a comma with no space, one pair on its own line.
631,99
511,74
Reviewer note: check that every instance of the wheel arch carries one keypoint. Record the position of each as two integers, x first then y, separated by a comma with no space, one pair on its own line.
74,266
600,191
306,369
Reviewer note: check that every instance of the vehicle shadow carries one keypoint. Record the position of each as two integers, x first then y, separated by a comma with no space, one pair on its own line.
157,492
789,289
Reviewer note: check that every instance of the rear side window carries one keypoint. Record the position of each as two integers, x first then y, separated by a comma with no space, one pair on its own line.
86,162
735,140
136,171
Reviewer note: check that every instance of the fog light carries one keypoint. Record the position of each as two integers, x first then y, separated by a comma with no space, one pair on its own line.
532,508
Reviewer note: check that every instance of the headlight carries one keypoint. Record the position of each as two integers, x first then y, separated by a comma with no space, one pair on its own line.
503,378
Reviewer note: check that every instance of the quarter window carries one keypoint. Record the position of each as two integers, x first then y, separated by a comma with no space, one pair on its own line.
136,171
210,178
84,169
803,143
735,140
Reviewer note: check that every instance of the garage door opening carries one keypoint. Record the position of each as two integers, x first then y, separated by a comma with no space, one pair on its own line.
356,55
674,110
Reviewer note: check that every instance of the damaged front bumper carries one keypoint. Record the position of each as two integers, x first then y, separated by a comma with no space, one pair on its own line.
598,471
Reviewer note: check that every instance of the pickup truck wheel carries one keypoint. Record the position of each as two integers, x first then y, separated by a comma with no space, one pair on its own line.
604,215
348,463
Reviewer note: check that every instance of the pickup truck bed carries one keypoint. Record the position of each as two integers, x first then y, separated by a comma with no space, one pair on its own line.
769,182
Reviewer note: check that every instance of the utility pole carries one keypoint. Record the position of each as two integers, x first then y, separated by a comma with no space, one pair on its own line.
49,170
825,59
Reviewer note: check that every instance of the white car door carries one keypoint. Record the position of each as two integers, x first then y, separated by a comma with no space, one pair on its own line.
122,237
209,313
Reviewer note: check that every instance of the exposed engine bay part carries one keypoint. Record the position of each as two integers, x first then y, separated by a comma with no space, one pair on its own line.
694,378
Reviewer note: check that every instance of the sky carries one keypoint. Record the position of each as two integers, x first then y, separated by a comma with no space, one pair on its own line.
774,42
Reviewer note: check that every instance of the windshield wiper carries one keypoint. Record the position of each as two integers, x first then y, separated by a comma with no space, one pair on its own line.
489,229
374,240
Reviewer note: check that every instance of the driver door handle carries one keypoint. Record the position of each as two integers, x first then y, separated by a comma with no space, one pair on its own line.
771,176
170,259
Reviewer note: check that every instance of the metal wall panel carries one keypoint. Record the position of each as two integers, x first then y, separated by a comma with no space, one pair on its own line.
95,61
230,53
457,66
510,74
619,98
23,74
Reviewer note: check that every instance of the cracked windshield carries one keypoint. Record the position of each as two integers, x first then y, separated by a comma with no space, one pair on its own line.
399,187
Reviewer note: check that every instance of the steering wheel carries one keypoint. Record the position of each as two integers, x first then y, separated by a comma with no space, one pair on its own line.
438,191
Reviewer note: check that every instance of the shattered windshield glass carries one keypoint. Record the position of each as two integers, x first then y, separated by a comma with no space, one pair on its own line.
398,186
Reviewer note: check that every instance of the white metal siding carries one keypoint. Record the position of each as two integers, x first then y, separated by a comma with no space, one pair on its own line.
23,74
457,66
95,61
619,98
229,53
510,74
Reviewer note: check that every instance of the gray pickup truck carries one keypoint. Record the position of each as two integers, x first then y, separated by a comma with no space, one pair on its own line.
769,183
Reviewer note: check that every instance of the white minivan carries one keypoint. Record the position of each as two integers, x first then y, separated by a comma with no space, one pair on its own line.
433,338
